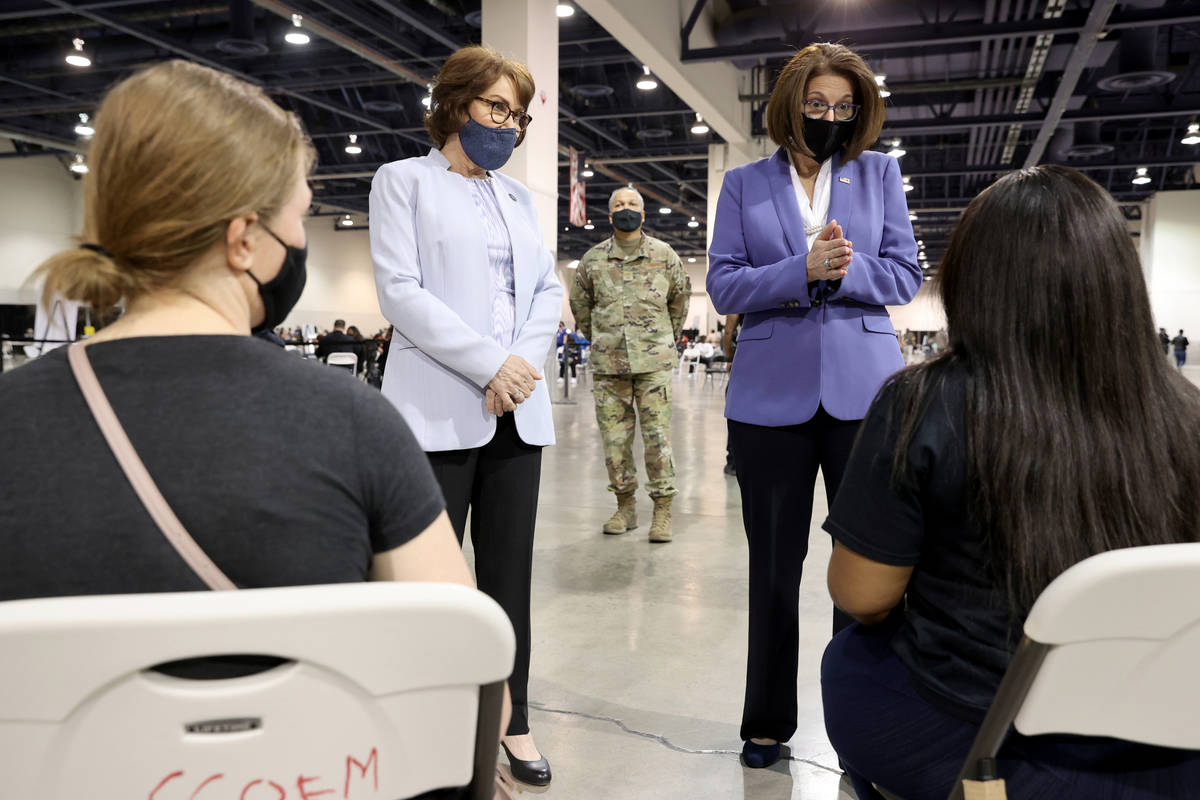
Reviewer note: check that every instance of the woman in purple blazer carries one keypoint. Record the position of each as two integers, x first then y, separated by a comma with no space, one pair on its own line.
809,245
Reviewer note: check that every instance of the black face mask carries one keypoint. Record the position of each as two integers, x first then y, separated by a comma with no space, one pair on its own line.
627,220
279,295
824,138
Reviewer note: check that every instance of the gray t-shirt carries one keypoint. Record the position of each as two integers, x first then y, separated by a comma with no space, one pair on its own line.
285,472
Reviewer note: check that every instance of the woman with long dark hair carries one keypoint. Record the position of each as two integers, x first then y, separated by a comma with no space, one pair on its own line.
1051,430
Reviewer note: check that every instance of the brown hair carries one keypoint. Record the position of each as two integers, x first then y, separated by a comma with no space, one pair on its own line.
785,110
179,151
466,74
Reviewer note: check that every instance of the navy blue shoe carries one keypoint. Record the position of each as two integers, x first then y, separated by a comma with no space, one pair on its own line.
758,756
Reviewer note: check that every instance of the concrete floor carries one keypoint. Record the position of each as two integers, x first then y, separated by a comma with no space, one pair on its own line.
639,650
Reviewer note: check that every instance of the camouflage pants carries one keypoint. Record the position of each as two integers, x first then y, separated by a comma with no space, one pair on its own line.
615,397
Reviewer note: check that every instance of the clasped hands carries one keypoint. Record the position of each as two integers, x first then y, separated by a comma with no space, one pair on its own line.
513,385
830,255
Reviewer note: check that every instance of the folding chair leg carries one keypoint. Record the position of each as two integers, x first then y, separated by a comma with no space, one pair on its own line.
1009,697
491,703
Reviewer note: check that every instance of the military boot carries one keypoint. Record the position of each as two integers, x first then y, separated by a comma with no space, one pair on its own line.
625,517
660,526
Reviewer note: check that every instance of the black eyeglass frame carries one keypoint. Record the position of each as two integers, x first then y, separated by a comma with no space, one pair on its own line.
854,107
523,119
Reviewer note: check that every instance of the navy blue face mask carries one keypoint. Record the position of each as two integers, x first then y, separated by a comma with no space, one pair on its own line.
489,148
280,294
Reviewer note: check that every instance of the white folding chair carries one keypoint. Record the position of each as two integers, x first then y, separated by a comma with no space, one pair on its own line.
388,690
346,360
1110,649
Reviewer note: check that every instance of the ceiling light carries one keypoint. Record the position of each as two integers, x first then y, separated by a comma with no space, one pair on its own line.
564,10
79,166
664,210
589,226
567,229
896,150
353,148
1193,134
691,259
1141,178
879,79
587,171
296,35
693,223
884,93
84,128
646,83
699,128
908,187
347,221
574,264
912,217
77,57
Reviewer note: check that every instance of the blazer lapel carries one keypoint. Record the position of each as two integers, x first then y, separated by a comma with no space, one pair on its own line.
841,191
780,178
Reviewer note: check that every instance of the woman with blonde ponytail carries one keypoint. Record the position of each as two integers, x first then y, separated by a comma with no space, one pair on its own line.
194,219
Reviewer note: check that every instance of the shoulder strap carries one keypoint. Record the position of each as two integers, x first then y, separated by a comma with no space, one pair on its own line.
136,472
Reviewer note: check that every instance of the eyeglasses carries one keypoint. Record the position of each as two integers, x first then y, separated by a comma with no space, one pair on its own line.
501,113
843,112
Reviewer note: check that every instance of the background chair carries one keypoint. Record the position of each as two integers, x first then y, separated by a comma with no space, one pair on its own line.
1110,649
346,360
387,690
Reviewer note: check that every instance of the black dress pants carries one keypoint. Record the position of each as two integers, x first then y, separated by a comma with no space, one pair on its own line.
777,473
498,483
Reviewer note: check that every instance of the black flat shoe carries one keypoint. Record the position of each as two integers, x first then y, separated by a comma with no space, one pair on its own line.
535,773
757,756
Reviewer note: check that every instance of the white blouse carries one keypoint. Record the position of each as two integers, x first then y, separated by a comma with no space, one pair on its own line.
816,215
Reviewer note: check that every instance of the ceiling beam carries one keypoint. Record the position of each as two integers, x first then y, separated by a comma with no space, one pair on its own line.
178,49
1080,54
409,18
345,42
961,124
943,34
49,142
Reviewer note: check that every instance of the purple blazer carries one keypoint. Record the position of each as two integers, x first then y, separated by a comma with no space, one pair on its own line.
830,344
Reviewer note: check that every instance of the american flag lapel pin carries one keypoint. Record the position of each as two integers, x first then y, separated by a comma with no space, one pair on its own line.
845,181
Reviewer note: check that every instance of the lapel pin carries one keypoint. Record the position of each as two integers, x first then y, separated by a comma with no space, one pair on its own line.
845,181
512,197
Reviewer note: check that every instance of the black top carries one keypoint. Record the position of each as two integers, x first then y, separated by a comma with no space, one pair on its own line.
335,342
1180,342
955,639
284,471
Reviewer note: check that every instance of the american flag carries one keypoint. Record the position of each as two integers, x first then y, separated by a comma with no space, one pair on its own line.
578,208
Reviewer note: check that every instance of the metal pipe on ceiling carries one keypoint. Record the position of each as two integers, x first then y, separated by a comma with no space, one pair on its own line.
922,36
44,141
344,42
176,12
1101,9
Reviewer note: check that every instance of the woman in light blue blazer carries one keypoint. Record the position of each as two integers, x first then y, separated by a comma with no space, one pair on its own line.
469,287
809,246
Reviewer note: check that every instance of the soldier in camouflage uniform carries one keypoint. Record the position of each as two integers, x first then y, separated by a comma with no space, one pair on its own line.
629,297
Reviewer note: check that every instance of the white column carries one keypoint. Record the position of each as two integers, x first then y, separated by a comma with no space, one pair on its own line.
1170,241
527,31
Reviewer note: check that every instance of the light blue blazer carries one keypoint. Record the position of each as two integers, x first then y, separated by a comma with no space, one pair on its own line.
430,253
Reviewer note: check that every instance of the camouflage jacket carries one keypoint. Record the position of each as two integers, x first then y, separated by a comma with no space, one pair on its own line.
632,309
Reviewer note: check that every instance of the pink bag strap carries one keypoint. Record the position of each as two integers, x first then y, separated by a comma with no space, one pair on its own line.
147,491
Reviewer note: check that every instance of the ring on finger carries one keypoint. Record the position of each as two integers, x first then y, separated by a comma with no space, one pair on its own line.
826,262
